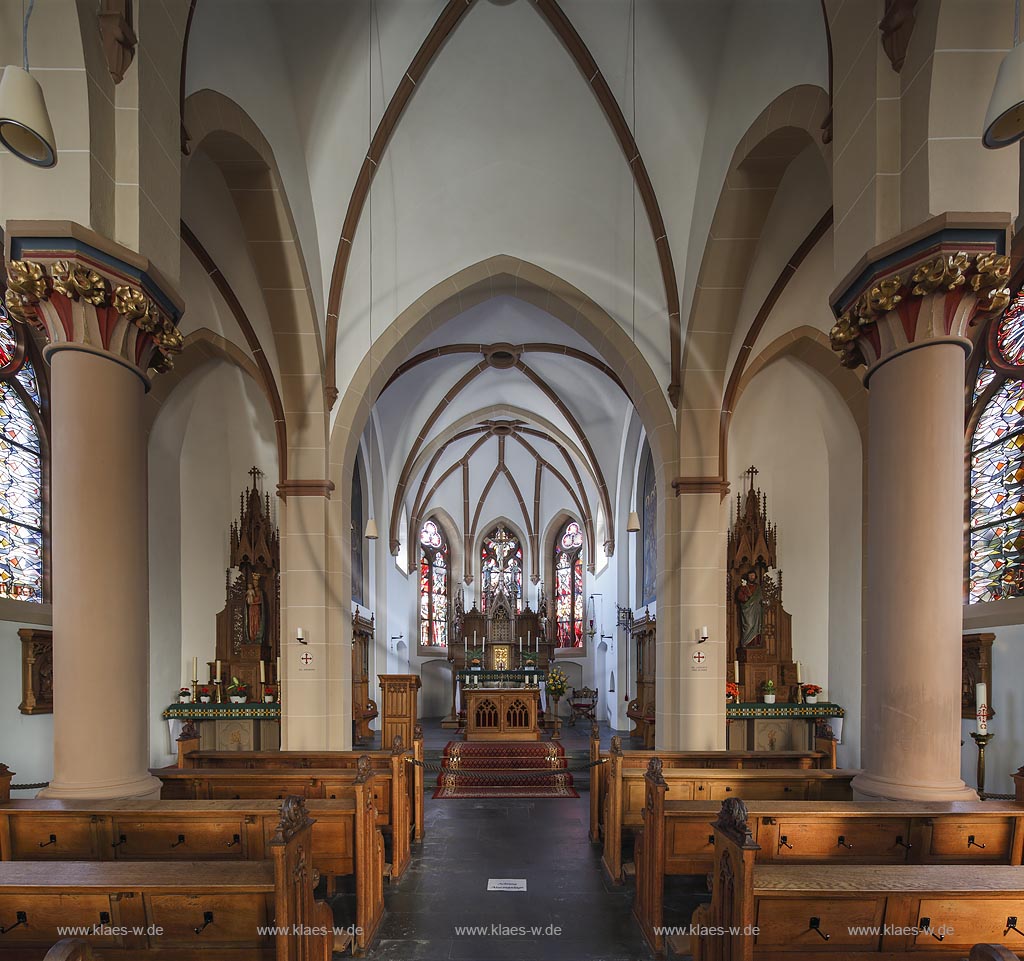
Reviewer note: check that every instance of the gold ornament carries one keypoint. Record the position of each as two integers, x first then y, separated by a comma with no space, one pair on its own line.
880,299
947,272
130,302
990,282
76,282
27,284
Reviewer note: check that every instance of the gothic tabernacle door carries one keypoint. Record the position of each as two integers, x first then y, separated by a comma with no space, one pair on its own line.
758,629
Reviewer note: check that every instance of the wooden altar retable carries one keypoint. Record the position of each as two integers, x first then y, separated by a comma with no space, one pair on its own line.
502,714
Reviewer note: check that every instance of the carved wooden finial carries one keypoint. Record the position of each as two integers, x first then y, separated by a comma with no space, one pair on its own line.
654,768
417,732
732,819
189,731
595,731
616,744
294,818
397,747
363,768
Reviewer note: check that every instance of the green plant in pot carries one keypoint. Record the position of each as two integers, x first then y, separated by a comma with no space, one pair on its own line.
768,690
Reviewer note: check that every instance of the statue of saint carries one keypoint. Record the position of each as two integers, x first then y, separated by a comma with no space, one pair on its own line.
751,609
255,620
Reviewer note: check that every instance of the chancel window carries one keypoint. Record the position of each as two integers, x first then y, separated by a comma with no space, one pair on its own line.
357,536
568,566
22,467
434,586
996,549
501,567
649,533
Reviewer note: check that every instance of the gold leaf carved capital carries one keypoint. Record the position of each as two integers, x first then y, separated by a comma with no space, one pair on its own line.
27,284
80,283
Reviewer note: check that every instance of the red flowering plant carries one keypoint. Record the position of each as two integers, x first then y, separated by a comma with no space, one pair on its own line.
732,690
811,690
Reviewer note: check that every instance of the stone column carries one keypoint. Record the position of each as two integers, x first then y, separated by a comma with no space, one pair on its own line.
911,327
105,329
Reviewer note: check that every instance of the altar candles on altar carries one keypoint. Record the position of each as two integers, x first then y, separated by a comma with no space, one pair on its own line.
277,677
981,700
799,672
217,674
520,643
736,671
263,673
195,669
465,641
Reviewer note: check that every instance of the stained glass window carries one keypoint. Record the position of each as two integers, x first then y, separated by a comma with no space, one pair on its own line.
569,586
358,526
501,567
22,560
434,586
649,533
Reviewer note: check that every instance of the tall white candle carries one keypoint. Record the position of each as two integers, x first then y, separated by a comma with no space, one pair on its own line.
195,668
278,677
218,671
981,700
465,643
799,672
520,643
263,673
736,671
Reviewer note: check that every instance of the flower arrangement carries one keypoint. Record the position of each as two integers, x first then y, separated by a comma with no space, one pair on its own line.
269,694
185,695
732,691
810,692
238,691
204,695
557,683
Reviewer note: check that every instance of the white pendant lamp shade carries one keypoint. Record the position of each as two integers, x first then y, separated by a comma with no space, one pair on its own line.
371,530
1004,122
633,524
25,127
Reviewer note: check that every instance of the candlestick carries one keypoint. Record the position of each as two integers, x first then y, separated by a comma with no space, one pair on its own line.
981,700
981,740
217,675
263,673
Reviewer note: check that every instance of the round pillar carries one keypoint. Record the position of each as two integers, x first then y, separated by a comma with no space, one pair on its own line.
912,644
101,575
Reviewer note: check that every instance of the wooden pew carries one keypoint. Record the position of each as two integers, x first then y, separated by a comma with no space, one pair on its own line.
770,912
70,950
6,776
677,839
345,837
190,756
726,760
991,952
202,909
228,784
624,799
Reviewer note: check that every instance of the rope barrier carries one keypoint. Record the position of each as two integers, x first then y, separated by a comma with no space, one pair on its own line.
30,787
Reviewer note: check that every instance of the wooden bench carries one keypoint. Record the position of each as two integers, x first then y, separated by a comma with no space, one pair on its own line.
624,800
344,839
677,838
6,776
200,909
821,912
726,760
391,788
190,756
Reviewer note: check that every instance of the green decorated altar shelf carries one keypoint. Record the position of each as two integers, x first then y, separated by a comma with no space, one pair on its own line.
736,712
501,678
256,710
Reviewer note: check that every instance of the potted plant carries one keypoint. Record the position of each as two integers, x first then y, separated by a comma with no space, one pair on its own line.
810,692
269,694
475,659
204,695
557,685
185,696
768,688
732,691
238,692
530,664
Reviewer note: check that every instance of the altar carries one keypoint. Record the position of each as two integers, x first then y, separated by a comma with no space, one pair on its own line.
502,714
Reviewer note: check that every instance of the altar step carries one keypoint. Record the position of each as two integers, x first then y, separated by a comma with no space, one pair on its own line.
504,770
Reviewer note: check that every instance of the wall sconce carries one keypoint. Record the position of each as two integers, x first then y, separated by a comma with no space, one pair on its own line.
300,636
702,634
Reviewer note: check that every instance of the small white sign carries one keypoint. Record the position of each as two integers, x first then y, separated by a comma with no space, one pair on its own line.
700,661
306,661
506,884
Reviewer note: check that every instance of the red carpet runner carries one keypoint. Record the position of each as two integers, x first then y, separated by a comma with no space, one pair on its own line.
504,769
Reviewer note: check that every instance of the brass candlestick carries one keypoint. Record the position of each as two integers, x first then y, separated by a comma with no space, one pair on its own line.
981,740
217,684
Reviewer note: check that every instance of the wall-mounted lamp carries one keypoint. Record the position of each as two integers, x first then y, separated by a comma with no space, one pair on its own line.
371,530
702,634
300,636
633,524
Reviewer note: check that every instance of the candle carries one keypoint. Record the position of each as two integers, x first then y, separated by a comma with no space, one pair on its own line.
300,634
704,632
195,668
218,671
736,671
263,673
520,643
278,677
465,643
981,699
799,672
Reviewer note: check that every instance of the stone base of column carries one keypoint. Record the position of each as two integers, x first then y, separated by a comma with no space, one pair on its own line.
868,787
145,788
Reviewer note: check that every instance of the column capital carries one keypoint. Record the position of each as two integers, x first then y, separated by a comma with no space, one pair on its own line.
79,290
925,287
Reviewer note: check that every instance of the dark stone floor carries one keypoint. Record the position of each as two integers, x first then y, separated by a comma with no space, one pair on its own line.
569,912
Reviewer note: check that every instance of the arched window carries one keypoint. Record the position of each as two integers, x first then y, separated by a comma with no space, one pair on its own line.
501,567
996,549
434,587
358,525
648,532
23,467
568,567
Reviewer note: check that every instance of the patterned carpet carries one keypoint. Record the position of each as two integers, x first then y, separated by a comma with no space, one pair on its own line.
504,770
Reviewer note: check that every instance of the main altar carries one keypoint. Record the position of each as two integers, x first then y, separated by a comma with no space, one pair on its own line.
502,714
